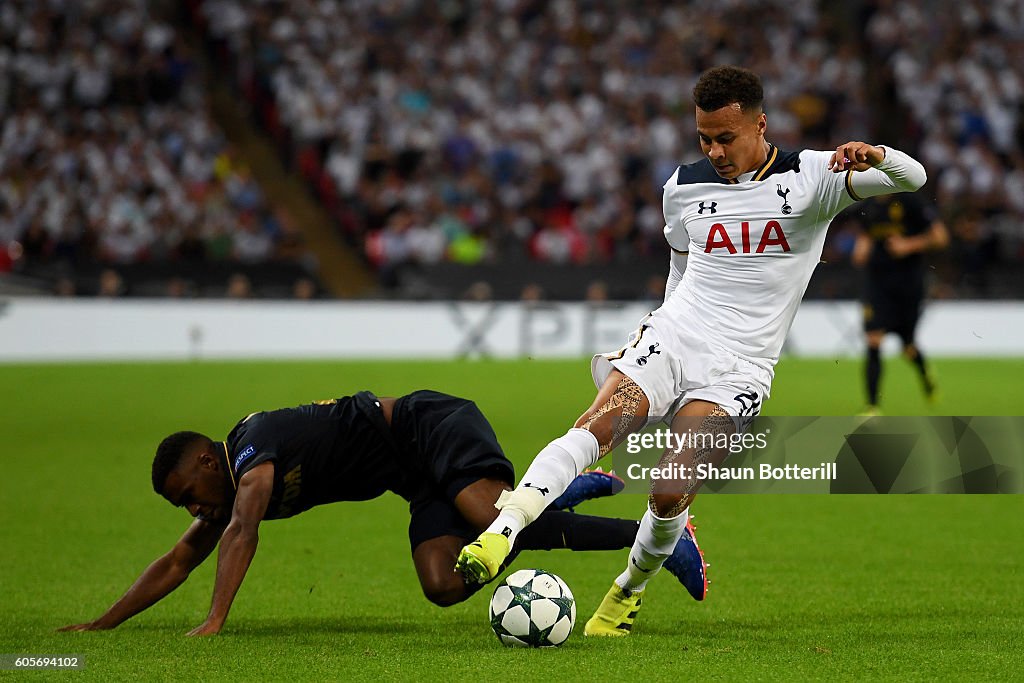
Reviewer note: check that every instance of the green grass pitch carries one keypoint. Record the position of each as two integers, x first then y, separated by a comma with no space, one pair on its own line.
926,587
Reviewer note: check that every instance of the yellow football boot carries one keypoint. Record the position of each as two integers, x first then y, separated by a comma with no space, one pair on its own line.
615,614
480,561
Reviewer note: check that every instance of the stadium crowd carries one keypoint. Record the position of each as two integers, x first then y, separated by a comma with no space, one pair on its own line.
486,131
107,151
493,132
955,67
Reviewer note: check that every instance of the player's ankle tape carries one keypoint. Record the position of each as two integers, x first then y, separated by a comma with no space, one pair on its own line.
523,501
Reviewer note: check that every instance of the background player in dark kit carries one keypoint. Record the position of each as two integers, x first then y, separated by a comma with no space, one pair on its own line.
897,230
436,451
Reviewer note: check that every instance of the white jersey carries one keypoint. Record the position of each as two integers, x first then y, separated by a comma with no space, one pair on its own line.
754,242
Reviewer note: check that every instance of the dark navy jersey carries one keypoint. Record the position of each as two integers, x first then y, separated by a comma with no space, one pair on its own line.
322,453
895,214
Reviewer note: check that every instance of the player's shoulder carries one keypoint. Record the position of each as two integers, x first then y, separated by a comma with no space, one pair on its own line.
698,173
816,156
248,424
815,161
253,440
809,164
779,162
253,419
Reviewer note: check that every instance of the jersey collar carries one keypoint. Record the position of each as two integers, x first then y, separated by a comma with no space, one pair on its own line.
762,171
227,463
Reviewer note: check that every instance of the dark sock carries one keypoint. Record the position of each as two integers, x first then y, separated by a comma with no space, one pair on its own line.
874,374
561,529
556,529
918,360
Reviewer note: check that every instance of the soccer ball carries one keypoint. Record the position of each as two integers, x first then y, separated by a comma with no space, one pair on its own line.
532,608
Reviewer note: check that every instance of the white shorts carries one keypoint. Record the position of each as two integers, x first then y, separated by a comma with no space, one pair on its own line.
674,365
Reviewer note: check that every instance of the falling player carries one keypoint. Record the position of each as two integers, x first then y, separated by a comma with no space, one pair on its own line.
898,230
436,451
753,219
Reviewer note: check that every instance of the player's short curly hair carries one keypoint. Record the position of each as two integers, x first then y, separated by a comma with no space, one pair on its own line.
722,85
169,454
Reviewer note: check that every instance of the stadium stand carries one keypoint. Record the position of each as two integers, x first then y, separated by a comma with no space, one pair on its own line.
114,178
953,70
505,133
501,133
509,142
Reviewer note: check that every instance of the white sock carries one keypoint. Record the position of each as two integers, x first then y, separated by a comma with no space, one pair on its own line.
548,476
655,540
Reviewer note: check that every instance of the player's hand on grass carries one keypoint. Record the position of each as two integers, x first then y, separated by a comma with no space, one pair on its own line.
206,629
88,626
858,156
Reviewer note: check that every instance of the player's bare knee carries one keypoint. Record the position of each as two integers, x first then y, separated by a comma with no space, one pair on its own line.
445,592
620,413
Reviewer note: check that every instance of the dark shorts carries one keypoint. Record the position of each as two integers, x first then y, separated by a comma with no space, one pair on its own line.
447,444
893,306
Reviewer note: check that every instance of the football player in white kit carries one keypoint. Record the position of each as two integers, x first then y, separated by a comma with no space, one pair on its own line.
752,219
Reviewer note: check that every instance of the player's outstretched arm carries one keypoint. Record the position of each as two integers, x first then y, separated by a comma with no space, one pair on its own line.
856,156
238,544
161,577
879,170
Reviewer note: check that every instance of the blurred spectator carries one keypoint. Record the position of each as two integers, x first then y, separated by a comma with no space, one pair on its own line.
479,291
65,287
532,293
304,289
597,292
111,284
179,288
239,287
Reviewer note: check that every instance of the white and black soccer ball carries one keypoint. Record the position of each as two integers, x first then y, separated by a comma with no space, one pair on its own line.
532,608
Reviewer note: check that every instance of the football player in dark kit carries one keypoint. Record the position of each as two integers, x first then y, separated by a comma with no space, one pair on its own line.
898,230
436,451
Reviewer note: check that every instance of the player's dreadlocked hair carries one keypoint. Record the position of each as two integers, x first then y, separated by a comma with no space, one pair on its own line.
722,85
169,453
